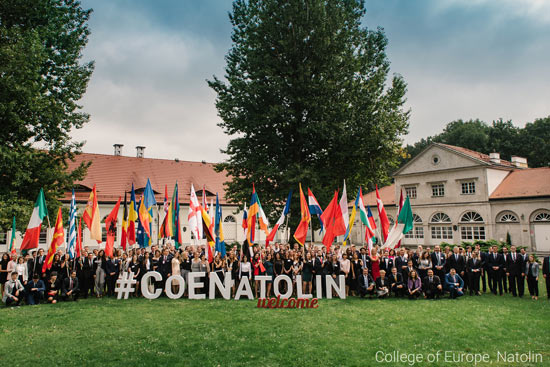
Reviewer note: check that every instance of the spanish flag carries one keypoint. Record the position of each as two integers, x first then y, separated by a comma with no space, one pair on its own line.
301,232
57,240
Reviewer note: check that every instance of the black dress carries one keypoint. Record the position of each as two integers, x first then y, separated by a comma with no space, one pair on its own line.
356,264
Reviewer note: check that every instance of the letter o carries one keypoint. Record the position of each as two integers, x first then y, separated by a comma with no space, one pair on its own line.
168,287
145,284
288,281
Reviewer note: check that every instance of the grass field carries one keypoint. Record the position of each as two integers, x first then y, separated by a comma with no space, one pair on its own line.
163,332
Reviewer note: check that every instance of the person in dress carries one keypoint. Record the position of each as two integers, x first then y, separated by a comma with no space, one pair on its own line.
414,285
375,263
175,271
424,264
135,267
345,267
307,274
532,272
100,266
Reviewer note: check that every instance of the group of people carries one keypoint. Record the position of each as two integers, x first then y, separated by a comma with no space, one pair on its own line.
420,273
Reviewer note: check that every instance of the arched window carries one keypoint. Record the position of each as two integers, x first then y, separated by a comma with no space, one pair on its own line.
440,218
229,219
417,219
442,230
507,217
472,232
418,230
542,217
470,217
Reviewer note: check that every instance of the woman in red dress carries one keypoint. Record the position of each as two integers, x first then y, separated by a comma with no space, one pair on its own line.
375,264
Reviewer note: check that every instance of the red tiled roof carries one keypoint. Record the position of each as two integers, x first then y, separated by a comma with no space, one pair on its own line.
113,175
387,194
530,182
476,155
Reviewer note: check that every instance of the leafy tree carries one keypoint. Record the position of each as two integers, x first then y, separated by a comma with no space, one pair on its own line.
307,99
533,142
41,81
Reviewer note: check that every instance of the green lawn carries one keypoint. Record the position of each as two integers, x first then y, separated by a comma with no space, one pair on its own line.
139,332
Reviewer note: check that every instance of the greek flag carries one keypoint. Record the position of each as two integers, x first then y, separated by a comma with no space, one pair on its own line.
72,228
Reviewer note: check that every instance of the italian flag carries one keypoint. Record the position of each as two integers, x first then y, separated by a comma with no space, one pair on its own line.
32,234
403,225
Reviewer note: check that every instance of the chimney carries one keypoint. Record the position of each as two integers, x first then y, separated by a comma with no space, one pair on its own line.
519,162
140,150
494,158
118,149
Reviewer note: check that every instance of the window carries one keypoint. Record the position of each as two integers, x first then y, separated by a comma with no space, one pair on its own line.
468,188
410,191
471,217
418,230
472,232
438,190
440,218
442,232
43,236
508,217
229,219
542,217
4,238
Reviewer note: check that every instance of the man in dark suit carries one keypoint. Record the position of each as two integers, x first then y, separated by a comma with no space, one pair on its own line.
382,285
524,258
386,263
438,262
482,257
503,270
165,266
40,258
454,284
514,268
35,290
69,289
457,262
365,259
366,285
494,262
401,262
546,274
431,285
87,276
113,270
474,268
410,267
318,269
397,286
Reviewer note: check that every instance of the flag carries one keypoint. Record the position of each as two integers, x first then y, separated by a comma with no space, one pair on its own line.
370,234
203,202
57,241
72,228
280,221
141,236
194,217
262,219
301,232
245,218
124,235
146,208
344,206
132,218
402,226
253,210
79,238
401,201
314,207
212,215
110,226
12,240
166,229
32,234
384,222
91,216
176,226
334,222
165,210
210,240
352,217
218,229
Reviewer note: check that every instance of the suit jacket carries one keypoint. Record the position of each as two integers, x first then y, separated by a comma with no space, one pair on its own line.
382,283
38,285
534,269
546,266
427,286
397,280
450,283
400,262
458,264
9,286
165,265
474,266
88,269
362,281
332,269
386,264
318,266
67,283
113,266
493,260
434,260
514,267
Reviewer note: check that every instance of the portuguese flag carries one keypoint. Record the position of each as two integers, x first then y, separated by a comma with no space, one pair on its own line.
32,234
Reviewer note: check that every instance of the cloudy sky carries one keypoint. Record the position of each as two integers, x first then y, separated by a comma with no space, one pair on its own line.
484,59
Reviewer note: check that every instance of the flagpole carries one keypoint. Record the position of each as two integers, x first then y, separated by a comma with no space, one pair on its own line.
287,230
362,237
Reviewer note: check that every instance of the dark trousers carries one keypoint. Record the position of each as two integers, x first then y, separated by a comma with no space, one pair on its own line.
505,284
533,285
454,292
432,293
514,283
548,286
364,291
473,279
483,282
466,277
71,297
415,295
34,297
11,302
87,286
489,273
399,292
111,284
521,285
496,281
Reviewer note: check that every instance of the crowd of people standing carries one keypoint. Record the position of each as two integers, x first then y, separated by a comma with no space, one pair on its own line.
419,273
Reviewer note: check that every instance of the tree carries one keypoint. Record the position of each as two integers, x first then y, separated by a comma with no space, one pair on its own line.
533,142
306,99
41,81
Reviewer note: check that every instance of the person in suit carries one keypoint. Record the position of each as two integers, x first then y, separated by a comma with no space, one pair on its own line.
165,266
414,285
546,274
482,257
503,269
514,269
410,267
386,263
35,290
365,284
14,292
318,269
382,285
431,286
474,267
454,284
364,256
524,258
532,272
87,276
401,263
456,261
438,262
494,262
113,270
70,288
397,286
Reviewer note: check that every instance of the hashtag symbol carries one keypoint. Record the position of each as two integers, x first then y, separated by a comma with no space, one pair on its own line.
125,285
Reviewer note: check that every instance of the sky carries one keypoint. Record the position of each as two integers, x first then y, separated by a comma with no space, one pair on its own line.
461,59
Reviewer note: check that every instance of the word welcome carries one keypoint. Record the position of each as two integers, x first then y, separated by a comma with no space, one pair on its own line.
125,286
287,303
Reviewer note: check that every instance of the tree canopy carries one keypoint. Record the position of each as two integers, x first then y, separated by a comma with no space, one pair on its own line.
307,98
42,79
